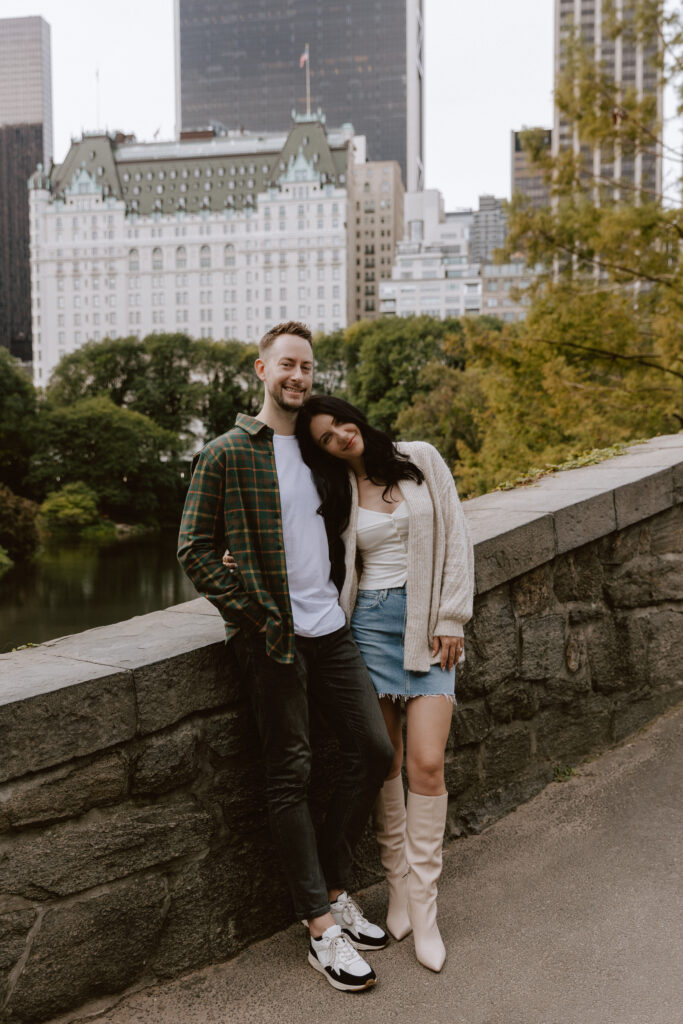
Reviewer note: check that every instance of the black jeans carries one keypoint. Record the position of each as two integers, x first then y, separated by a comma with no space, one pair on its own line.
329,670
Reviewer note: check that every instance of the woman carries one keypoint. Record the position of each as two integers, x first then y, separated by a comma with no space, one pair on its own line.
407,589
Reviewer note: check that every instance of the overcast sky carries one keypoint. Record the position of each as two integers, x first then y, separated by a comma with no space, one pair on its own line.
488,70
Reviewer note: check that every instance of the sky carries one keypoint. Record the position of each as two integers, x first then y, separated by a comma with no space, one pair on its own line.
488,70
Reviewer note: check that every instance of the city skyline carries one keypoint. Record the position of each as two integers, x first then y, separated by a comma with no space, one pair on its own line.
467,124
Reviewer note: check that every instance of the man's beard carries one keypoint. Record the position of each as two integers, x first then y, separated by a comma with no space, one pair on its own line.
282,399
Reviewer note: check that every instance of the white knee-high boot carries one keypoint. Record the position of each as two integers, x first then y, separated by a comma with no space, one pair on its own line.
426,821
390,828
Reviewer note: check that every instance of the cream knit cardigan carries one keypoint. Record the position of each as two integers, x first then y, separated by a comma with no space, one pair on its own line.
440,585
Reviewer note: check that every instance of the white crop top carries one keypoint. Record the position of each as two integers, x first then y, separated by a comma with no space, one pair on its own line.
382,540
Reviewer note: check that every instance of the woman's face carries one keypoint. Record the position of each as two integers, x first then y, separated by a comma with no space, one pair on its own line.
341,440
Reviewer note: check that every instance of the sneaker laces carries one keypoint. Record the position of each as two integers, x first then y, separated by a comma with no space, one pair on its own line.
342,950
352,914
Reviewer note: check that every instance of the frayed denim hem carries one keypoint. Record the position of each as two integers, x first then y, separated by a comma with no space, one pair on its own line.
403,697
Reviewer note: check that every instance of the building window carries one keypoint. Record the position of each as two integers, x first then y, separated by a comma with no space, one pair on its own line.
205,256
133,261
229,256
157,259
181,258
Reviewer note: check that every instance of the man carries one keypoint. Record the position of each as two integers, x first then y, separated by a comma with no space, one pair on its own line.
252,493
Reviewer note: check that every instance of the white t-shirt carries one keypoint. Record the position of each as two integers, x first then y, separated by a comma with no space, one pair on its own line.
313,595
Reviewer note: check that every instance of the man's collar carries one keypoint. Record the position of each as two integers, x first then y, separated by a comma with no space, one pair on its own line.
250,424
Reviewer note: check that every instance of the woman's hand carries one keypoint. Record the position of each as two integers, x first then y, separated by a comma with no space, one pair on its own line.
451,648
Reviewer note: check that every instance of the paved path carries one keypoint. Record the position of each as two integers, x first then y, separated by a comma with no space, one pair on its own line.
568,911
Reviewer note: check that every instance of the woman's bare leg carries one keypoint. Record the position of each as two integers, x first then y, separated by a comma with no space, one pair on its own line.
428,723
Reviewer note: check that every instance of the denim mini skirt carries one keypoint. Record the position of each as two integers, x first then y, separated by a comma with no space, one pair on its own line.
378,626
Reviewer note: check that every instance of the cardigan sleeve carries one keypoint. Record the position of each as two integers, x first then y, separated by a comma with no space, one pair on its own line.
457,581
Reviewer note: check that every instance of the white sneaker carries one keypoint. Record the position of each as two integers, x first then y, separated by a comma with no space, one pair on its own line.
348,915
334,956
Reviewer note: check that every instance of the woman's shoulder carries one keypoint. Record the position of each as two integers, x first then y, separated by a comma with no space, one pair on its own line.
419,451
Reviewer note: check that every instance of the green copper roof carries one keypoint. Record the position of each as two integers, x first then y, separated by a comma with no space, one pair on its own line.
214,173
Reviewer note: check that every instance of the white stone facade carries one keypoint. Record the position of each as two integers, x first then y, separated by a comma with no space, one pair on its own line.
432,274
98,270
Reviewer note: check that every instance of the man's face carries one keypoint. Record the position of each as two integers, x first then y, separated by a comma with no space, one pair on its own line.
287,371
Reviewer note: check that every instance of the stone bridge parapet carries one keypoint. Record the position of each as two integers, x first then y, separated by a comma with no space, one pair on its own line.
133,836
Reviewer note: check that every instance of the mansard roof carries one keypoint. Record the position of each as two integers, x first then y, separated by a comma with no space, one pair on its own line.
205,171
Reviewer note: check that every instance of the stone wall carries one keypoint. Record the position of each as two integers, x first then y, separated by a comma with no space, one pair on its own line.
133,836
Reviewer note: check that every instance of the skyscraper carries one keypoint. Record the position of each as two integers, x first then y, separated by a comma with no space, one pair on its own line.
631,65
25,141
242,63
526,176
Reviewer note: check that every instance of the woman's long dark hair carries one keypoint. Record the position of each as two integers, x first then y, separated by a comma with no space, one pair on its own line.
384,464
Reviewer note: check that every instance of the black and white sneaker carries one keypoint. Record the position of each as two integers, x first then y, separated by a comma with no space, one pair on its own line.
348,915
334,956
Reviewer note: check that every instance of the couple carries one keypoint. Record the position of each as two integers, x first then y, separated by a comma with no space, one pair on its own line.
390,552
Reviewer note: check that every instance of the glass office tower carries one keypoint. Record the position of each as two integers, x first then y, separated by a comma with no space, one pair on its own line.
238,63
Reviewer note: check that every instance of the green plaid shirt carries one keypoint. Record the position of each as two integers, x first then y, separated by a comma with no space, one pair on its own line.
234,502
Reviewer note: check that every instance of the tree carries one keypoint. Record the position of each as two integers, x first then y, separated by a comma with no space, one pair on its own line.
607,309
152,376
129,462
18,533
227,383
17,421
70,509
166,392
385,359
112,367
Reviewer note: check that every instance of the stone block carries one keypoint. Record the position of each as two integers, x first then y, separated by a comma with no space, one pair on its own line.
578,576
563,689
90,948
604,655
93,708
513,698
471,723
462,771
532,594
490,646
645,497
666,531
106,846
628,717
14,928
169,691
565,735
215,909
625,544
166,762
231,733
632,640
508,544
677,473
63,792
506,754
543,639
665,647
577,523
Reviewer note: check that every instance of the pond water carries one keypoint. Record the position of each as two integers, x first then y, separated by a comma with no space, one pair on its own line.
71,588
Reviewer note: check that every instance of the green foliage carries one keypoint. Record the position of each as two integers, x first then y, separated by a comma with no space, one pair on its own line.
6,562
168,377
227,383
385,359
70,509
18,533
128,461
17,419
112,367
589,458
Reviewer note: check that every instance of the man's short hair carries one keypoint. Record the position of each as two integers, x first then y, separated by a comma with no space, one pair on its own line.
290,327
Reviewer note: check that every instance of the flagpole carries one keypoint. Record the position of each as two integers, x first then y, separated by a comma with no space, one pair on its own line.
308,82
